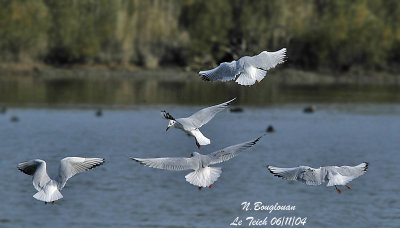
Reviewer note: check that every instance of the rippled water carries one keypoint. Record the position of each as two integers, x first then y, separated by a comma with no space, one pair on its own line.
123,193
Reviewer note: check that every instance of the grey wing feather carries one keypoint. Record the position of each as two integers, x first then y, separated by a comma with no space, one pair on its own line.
174,164
305,174
70,166
203,116
267,60
224,72
37,169
230,152
352,171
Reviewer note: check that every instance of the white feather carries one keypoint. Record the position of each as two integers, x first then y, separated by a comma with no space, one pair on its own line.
200,138
48,194
204,177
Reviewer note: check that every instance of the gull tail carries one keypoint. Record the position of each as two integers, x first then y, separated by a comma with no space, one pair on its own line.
204,177
48,194
246,80
200,138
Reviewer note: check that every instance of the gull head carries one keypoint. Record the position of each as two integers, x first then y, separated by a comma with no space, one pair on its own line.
170,124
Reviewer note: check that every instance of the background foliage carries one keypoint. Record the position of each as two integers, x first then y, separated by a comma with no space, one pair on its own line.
338,35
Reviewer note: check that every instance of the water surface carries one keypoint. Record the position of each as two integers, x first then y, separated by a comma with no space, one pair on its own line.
123,193
188,90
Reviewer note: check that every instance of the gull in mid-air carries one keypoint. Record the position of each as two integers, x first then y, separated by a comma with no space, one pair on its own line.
48,189
191,124
203,175
334,175
247,70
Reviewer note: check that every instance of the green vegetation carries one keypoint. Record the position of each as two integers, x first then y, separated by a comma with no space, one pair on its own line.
339,36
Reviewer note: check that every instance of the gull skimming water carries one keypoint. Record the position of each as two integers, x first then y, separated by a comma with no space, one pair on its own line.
334,175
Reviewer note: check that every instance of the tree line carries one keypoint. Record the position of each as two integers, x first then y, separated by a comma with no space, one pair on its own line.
338,35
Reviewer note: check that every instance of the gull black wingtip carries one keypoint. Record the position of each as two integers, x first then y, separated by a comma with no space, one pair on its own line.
166,115
204,77
136,160
98,164
366,166
271,171
275,174
20,169
258,139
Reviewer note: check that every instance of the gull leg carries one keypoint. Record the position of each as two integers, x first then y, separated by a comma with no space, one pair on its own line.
348,187
210,185
198,145
338,190
200,188
53,203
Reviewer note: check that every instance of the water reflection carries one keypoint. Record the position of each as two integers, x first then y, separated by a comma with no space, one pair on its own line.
123,91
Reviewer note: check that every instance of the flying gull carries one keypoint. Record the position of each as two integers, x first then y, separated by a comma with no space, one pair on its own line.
191,124
334,175
203,175
247,70
48,189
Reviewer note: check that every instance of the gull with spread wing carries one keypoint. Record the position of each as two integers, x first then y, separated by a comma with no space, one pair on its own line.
247,70
203,175
191,124
49,189
334,175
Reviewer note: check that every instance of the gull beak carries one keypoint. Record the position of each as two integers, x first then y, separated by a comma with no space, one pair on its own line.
167,129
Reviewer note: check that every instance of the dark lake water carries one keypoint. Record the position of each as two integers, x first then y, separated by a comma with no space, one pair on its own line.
185,89
123,193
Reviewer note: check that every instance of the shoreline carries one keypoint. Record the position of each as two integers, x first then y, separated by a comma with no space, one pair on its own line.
280,75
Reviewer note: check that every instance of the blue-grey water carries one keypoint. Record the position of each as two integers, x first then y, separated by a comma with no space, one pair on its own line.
123,193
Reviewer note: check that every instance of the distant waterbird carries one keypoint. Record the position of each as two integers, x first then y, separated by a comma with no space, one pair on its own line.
14,119
236,109
99,112
270,129
49,189
203,175
190,125
310,109
334,175
247,70
3,109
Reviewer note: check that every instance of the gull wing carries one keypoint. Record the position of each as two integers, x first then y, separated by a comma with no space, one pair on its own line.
344,174
37,169
70,166
305,174
203,116
224,72
266,60
174,164
230,152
